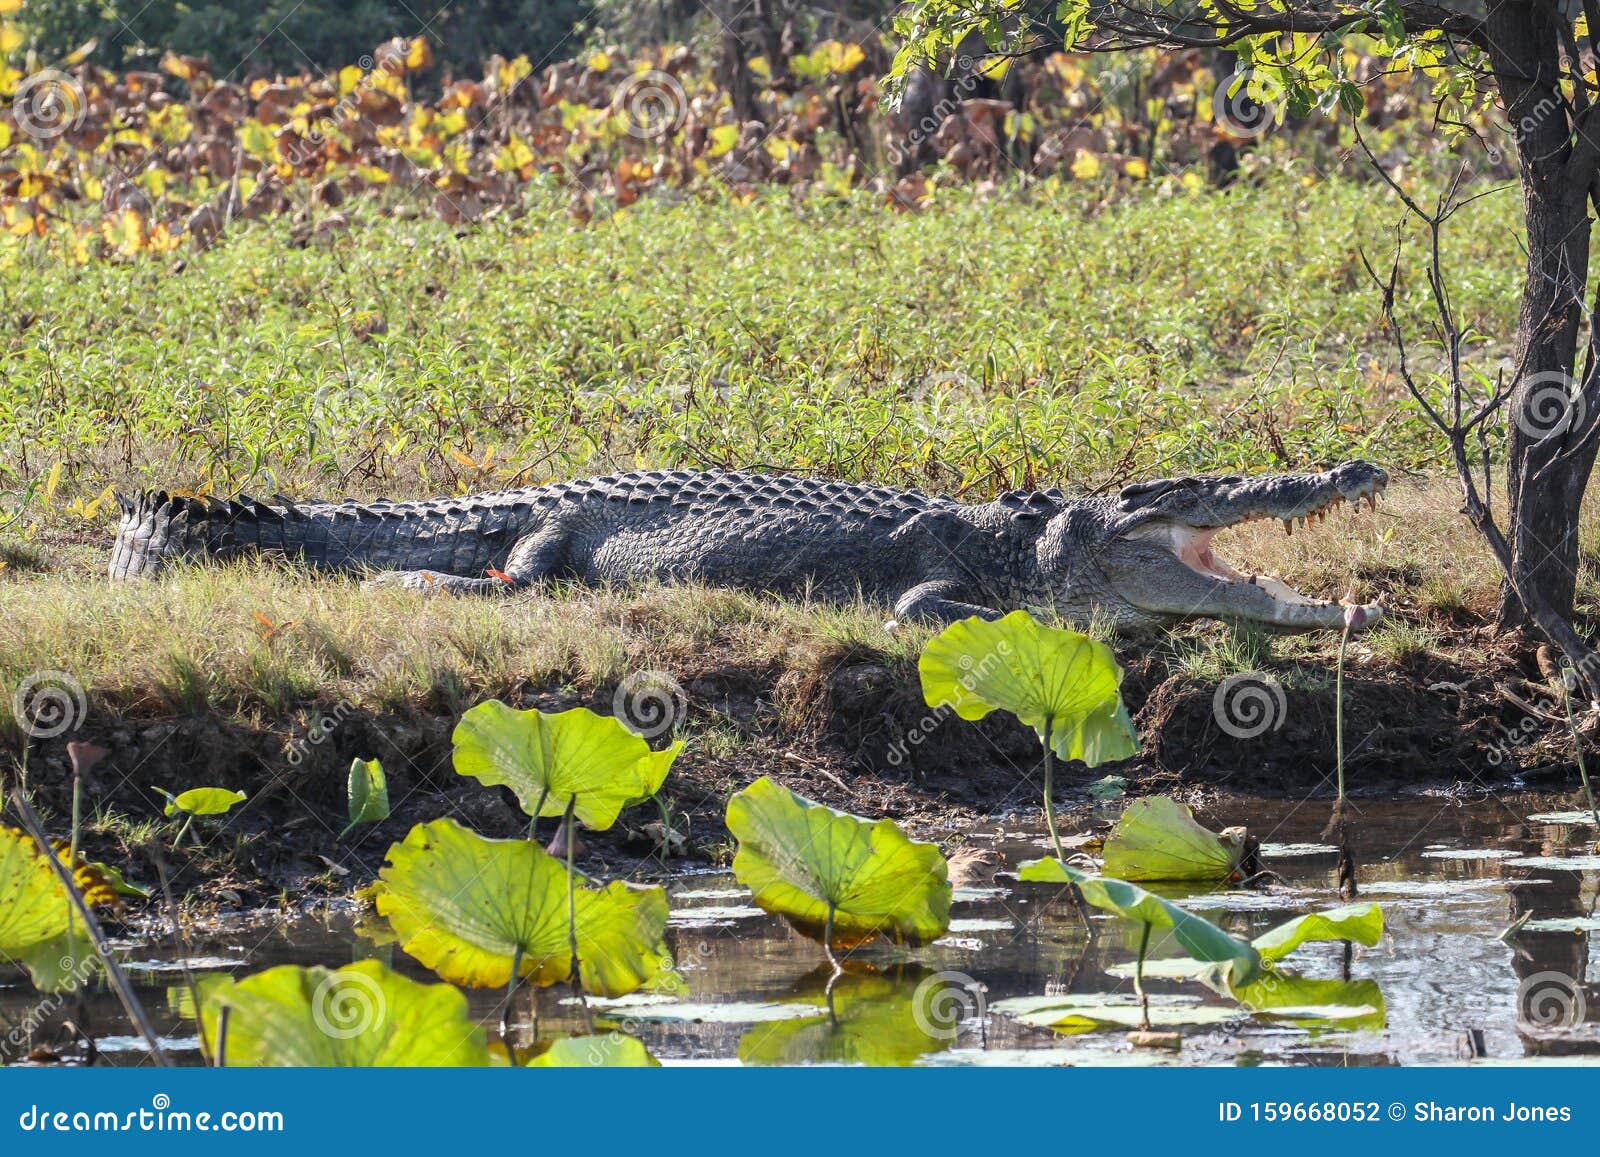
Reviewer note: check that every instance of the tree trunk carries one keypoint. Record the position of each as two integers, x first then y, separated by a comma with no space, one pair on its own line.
1547,468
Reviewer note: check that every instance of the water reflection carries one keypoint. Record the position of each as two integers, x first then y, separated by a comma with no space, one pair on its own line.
1476,947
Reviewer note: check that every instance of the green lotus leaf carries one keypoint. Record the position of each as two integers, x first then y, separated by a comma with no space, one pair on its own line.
463,905
1345,1005
38,927
1362,923
368,794
1085,1012
1158,839
610,1050
360,1016
876,1020
574,755
203,801
1199,937
1039,674
798,858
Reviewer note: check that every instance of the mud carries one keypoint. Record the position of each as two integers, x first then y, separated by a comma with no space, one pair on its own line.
863,741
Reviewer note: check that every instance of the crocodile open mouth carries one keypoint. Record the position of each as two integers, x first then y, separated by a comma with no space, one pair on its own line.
1192,544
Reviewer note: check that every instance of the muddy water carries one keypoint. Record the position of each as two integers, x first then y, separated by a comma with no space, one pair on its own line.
1452,877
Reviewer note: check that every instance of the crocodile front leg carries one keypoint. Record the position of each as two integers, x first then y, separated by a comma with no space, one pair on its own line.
937,602
534,558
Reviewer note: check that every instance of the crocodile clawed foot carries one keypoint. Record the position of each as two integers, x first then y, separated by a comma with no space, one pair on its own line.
411,580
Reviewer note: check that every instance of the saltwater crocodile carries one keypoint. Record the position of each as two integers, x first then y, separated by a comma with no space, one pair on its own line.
1143,557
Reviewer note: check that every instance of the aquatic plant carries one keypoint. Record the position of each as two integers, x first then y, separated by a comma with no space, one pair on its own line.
198,801
1061,683
367,793
577,761
363,1015
1158,838
606,1050
484,913
1239,962
835,877
37,928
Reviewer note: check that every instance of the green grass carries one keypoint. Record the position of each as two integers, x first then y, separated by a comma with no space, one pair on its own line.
1015,339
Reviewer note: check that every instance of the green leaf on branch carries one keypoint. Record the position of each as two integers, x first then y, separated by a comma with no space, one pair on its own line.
798,858
551,759
1039,674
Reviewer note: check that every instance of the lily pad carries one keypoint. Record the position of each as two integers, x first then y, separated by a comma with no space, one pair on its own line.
1286,996
1361,923
1086,1012
1573,817
1200,938
610,1050
549,759
38,927
362,1015
1159,839
464,905
1039,674
799,858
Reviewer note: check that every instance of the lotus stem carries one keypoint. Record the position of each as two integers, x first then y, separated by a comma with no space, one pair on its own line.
1138,978
572,915
1049,793
1338,713
827,942
1577,747
505,1012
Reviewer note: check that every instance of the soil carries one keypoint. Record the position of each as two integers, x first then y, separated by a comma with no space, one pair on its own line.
866,743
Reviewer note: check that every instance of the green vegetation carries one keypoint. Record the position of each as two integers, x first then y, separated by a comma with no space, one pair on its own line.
990,341
837,878
1063,684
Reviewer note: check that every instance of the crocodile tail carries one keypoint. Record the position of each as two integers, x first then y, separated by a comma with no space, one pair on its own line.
158,528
